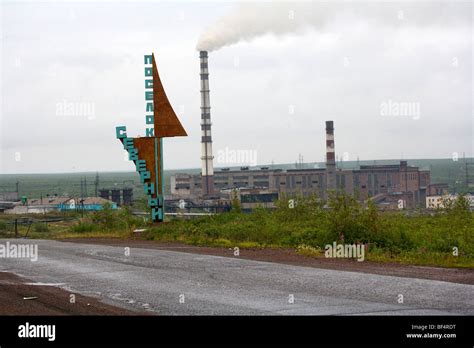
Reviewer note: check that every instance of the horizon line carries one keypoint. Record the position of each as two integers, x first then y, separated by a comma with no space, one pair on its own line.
241,165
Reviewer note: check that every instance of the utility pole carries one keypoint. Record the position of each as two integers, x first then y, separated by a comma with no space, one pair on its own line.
406,183
85,185
466,170
82,197
96,183
82,188
300,161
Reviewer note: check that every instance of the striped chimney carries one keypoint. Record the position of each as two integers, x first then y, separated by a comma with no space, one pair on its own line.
207,168
330,157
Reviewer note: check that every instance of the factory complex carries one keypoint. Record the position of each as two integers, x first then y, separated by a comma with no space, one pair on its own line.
396,186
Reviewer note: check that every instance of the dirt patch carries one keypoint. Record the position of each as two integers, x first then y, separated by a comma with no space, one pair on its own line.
18,297
290,257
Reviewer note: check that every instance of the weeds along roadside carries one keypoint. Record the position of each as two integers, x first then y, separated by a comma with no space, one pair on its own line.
307,225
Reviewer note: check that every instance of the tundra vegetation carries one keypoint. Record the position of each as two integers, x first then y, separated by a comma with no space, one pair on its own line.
444,237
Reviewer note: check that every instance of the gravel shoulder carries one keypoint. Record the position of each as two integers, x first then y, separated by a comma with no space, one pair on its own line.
290,257
20,296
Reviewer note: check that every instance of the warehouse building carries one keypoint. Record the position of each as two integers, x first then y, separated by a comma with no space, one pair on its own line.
391,186
58,204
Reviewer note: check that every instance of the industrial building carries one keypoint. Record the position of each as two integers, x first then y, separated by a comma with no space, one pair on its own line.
118,196
391,186
58,204
385,184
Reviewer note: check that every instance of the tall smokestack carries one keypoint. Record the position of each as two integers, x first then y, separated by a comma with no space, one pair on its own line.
207,168
330,157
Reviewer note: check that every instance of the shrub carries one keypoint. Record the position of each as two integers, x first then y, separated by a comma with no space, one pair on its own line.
308,250
111,219
41,227
235,203
309,222
83,227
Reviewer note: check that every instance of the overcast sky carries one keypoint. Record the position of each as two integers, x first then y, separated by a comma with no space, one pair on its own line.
270,95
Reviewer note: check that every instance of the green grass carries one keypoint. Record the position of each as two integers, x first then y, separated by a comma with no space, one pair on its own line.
390,236
422,258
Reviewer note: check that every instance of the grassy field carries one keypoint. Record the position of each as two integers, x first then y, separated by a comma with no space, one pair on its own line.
389,236
35,185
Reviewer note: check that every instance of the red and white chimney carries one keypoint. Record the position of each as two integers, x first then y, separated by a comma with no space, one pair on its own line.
207,167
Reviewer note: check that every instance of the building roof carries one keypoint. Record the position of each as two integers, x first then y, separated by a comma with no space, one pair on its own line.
94,200
305,170
55,200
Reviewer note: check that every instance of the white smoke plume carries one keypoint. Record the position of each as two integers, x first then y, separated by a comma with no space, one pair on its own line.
250,20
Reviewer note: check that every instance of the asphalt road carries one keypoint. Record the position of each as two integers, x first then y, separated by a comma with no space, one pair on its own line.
174,283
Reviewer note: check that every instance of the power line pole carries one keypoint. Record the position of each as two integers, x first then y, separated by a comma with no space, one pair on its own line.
96,183
82,197
466,170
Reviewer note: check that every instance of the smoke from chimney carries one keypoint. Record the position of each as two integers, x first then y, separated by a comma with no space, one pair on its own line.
248,21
